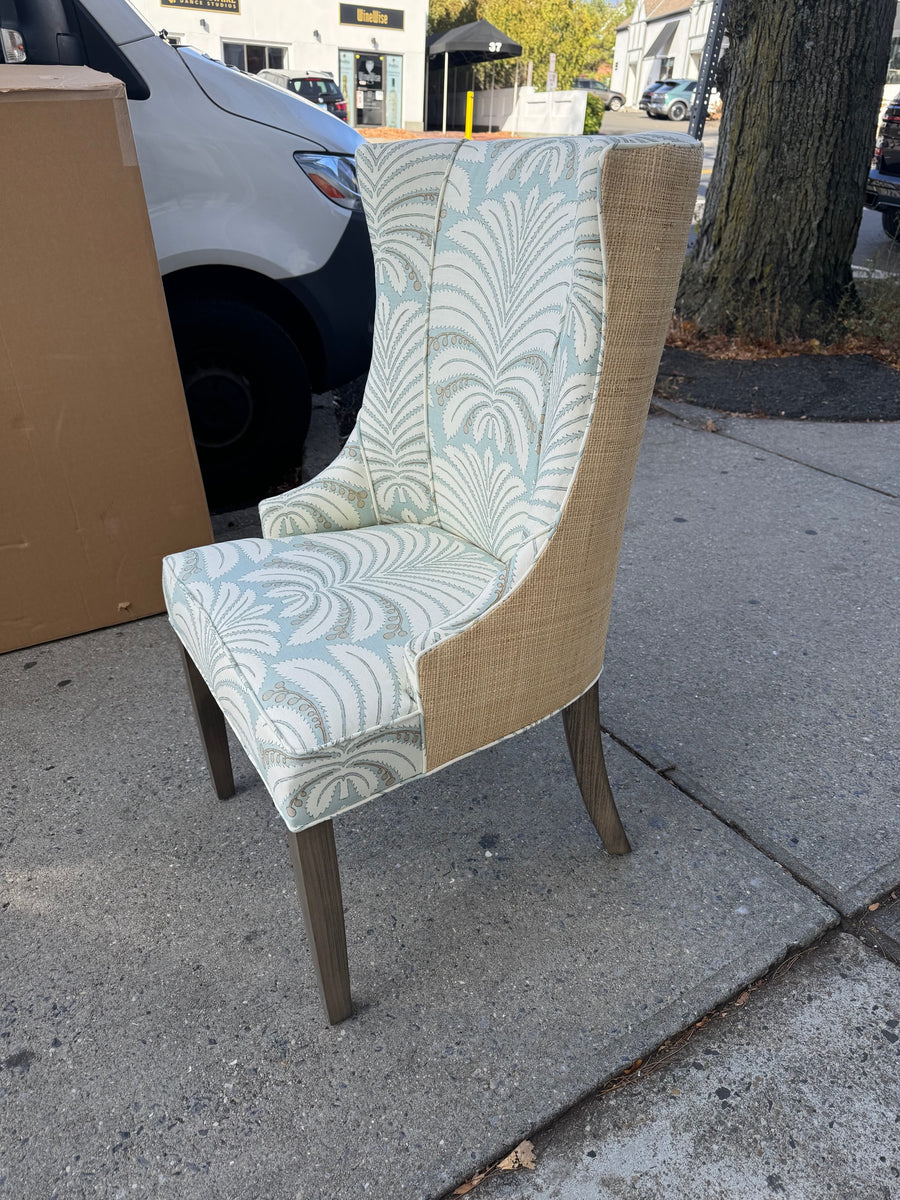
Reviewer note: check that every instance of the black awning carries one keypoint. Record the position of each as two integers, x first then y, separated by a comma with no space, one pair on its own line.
663,41
477,42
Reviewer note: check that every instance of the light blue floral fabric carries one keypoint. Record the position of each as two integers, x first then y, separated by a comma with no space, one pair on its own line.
488,343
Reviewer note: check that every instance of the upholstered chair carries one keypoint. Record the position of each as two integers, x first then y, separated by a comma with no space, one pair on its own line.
447,581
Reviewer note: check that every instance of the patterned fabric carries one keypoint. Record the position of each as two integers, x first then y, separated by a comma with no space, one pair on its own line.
488,342
302,639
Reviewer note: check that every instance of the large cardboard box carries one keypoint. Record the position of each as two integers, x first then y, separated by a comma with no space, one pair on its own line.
98,473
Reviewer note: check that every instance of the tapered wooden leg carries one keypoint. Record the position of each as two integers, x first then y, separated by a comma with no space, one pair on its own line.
582,723
211,724
319,887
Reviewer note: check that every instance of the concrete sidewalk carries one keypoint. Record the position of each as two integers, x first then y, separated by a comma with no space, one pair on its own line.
162,1033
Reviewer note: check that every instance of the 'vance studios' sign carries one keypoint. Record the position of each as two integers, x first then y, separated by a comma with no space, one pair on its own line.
381,18
229,6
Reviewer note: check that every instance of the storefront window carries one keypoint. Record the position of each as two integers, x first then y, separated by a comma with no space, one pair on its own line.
346,82
394,94
254,58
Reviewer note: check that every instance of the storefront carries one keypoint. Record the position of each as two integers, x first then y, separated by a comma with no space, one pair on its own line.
376,55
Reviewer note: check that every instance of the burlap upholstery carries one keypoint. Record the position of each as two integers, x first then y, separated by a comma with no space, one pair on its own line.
448,580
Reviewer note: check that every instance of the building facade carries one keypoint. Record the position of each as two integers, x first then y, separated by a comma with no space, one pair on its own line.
376,55
663,39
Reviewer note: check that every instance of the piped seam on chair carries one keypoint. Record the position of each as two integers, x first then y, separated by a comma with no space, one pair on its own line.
612,144
427,396
469,754
505,738
507,596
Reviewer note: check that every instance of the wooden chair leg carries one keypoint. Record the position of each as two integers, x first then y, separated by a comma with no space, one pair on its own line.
315,863
582,724
211,724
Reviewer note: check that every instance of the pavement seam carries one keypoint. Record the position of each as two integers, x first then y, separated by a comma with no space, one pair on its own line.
703,420
689,788
668,1050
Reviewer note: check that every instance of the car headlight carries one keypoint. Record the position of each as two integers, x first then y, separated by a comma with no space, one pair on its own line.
334,175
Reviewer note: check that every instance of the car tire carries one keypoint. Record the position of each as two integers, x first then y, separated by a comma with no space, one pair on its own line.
615,104
652,116
890,222
678,111
248,396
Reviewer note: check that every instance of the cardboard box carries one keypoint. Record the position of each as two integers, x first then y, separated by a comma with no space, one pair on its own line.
98,472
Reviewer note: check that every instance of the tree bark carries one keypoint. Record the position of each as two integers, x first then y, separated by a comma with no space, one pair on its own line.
804,82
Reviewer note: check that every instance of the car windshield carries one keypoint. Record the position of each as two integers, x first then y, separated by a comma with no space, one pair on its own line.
663,87
314,89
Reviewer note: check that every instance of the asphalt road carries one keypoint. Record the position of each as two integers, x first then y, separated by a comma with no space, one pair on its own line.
874,251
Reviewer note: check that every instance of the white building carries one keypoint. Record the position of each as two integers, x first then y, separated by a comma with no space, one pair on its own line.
377,55
663,39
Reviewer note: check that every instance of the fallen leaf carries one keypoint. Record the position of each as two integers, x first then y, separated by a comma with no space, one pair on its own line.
872,907
742,999
465,1188
522,1156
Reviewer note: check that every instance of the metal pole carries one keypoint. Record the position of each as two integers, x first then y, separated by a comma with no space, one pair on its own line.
515,127
708,62
444,125
491,109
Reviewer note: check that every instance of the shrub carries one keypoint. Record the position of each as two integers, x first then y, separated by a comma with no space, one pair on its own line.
593,114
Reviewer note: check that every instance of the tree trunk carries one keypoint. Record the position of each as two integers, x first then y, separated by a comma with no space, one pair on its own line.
804,81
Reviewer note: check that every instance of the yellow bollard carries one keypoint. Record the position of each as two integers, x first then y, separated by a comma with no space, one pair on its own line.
470,109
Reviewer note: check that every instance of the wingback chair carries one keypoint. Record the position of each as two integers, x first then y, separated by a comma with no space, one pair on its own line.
447,581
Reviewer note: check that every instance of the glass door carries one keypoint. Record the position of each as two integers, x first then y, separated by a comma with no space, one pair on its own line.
369,89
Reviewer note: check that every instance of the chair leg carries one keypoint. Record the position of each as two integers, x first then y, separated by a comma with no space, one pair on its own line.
211,724
315,863
582,724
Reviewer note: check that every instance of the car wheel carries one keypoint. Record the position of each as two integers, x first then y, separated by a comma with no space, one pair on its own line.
651,115
890,222
678,111
615,104
247,392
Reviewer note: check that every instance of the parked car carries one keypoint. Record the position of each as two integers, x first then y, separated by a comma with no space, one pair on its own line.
670,98
644,101
883,187
316,86
611,100
259,231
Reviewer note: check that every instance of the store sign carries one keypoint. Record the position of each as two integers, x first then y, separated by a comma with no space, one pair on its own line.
227,6
379,18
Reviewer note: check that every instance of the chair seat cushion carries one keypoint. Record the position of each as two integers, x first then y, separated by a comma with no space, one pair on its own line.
301,640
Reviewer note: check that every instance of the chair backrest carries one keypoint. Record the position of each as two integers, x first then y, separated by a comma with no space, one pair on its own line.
524,289
488,334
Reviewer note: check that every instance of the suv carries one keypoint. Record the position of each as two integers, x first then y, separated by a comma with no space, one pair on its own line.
316,86
611,100
883,186
670,98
